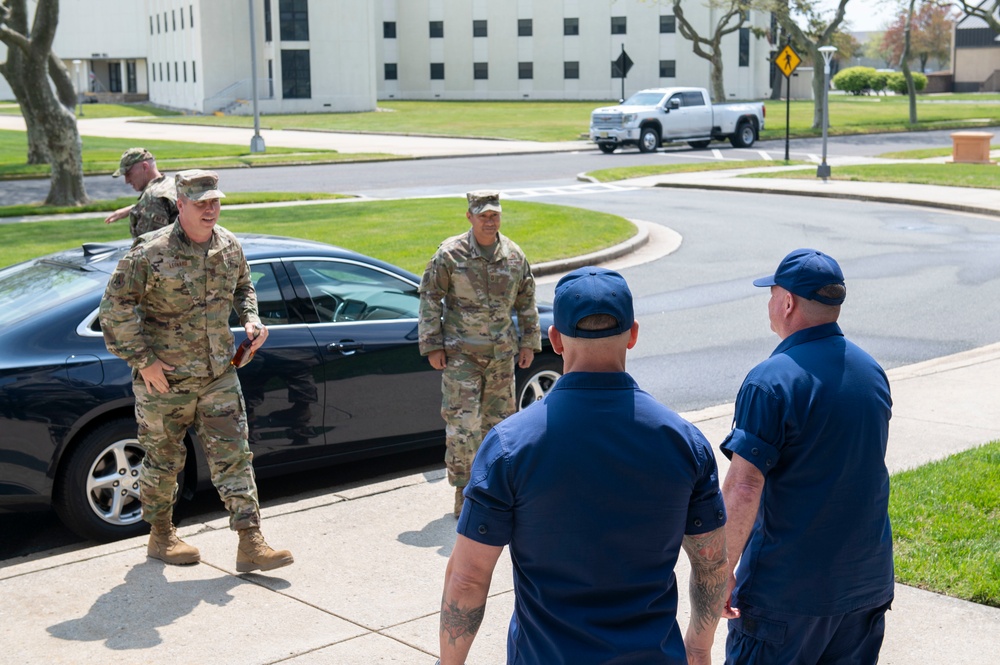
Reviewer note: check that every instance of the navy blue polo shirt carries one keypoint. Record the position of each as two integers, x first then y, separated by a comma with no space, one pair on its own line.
814,419
593,488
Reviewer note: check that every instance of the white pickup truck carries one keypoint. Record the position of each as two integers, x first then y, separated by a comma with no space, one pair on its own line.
652,117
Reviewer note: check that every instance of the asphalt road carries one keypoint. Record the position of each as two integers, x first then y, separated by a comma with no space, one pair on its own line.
921,283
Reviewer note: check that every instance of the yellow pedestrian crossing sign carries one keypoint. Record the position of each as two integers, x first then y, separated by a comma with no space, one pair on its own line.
787,60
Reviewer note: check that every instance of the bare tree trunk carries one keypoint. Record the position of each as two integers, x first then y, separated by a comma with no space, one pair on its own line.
13,70
50,120
734,15
718,85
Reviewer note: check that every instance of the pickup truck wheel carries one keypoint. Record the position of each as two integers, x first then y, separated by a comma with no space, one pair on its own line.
649,140
744,135
607,148
699,145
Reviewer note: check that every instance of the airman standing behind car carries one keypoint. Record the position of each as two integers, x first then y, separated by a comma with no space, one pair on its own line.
467,293
166,312
157,204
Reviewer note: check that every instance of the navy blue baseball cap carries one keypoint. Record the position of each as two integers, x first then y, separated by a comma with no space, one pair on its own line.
804,272
588,291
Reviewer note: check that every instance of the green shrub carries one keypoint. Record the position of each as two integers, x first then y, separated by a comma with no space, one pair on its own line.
879,81
897,82
855,80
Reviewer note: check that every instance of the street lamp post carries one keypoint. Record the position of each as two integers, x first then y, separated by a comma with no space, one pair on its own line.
79,91
823,171
257,142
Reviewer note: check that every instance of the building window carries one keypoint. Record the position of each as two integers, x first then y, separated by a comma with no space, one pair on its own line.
168,71
191,15
437,71
150,25
268,33
182,19
176,77
480,71
668,24
389,29
157,24
525,70
152,70
618,24
130,78
293,19
161,71
436,29
390,71
744,47
668,69
165,29
295,75
524,27
114,77
571,26
173,19
571,70
479,28
194,77
185,70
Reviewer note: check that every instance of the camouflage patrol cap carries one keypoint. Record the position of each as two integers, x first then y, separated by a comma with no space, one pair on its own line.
196,185
130,157
483,200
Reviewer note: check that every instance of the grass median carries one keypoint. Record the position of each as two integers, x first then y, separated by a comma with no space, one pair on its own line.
405,233
981,176
944,521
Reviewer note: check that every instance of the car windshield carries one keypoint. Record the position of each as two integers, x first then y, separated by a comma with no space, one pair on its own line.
28,289
644,99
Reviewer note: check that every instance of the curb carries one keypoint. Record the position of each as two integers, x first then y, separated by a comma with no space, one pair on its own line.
565,265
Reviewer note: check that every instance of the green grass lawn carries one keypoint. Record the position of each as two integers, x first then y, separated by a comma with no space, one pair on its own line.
566,121
945,518
103,110
404,233
101,155
984,176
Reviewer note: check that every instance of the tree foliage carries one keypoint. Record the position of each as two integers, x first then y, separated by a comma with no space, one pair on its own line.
897,82
987,10
45,93
930,35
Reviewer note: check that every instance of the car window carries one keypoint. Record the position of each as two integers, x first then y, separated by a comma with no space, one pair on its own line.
693,99
28,289
644,99
271,306
344,291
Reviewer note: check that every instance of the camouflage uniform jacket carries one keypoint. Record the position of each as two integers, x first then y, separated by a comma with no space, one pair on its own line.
466,300
167,299
156,207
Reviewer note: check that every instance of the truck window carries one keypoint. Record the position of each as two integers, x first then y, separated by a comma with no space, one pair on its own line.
693,99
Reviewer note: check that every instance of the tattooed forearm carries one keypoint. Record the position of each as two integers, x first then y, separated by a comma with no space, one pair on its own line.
457,622
709,577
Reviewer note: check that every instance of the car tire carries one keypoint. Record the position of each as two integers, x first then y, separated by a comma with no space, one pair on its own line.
536,381
97,490
699,145
607,148
649,140
744,136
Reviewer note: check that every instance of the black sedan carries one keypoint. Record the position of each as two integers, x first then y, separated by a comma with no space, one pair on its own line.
340,378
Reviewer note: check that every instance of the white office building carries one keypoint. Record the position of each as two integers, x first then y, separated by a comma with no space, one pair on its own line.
344,55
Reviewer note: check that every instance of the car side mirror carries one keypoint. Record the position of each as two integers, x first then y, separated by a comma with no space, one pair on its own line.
673,104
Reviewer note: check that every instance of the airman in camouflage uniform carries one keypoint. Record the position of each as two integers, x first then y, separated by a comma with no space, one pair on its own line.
467,293
166,312
157,204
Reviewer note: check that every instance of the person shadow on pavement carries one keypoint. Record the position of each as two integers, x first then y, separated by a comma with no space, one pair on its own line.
439,533
128,616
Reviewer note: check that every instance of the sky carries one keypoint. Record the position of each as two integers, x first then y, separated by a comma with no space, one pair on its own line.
867,15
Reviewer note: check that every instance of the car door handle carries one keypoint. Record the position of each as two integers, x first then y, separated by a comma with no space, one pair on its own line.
346,347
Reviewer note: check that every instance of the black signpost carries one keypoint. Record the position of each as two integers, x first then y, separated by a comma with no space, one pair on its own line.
620,67
787,60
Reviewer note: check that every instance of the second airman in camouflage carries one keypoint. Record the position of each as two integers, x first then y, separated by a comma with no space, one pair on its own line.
166,312
467,293
157,204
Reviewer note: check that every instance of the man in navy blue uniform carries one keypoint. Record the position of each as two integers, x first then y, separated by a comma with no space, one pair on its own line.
808,490
595,489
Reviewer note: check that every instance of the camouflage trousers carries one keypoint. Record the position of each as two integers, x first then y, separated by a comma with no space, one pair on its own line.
476,394
215,408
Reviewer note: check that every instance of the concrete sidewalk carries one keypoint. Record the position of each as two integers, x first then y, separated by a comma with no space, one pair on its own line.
370,563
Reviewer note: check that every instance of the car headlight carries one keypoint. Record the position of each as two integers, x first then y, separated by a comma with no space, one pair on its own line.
629,118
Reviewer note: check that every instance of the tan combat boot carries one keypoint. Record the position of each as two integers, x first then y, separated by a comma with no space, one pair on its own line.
168,548
255,554
459,500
